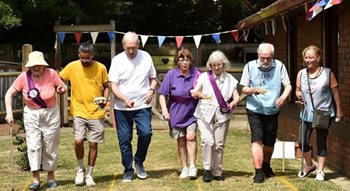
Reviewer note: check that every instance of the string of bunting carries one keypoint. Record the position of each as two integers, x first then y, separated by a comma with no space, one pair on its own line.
312,9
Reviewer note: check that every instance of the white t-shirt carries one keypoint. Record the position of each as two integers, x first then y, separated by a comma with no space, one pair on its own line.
133,77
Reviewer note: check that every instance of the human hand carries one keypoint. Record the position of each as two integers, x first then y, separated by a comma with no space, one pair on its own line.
279,102
9,118
61,89
100,101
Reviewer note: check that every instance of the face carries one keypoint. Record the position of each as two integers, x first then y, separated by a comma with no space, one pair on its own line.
184,63
265,58
130,48
86,58
217,68
310,59
37,70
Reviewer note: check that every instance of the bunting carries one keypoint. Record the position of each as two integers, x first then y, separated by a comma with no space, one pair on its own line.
312,9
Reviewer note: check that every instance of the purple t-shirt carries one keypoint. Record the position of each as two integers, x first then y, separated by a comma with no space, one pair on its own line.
182,105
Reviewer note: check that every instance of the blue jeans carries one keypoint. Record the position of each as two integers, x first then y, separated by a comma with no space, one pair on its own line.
125,121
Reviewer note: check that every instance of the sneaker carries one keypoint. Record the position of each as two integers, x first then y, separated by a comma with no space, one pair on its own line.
267,170
79,178
89,181
34,186
307,170
52,184
207,176
219,178
140,171
259,178
192,172
184,173
319,175
128,176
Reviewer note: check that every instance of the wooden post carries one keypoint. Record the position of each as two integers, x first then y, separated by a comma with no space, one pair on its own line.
26,49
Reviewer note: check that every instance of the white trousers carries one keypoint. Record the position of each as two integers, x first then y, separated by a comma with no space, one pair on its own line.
213,136
42,128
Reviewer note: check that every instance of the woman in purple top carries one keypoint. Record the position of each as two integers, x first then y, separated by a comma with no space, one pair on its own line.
176,85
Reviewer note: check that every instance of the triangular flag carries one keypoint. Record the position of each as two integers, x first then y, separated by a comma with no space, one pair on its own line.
284,23
197,40
329,4
78,36
316,12
273,26
216,37
322,3
144,40
336,2
61,36
235,35
160,40
94,36
55,46
314,7
111,35
179,40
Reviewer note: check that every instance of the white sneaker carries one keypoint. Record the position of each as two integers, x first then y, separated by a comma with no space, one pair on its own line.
319,176
89,181
79,178
184,173
192,172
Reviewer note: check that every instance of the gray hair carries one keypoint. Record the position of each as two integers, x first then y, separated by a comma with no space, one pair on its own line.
266,46
86,47
130,36
217,56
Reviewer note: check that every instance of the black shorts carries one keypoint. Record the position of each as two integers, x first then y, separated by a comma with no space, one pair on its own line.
263,127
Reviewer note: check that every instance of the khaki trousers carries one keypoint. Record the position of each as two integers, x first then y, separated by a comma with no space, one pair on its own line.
42,135
213,136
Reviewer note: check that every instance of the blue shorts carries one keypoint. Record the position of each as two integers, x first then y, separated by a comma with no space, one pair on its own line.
263,127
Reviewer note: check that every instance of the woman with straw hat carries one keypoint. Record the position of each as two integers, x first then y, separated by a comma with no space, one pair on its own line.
41,117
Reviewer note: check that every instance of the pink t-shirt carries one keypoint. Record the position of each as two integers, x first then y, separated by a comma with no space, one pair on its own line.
46,86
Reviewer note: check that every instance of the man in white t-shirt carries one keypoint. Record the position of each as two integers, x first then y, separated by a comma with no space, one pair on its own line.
133,81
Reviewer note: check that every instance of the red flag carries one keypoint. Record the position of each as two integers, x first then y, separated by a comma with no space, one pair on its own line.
336,2
78,36
179,40
235,35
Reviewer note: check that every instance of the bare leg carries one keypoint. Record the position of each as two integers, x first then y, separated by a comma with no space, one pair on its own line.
181,148
92,153
257,154
267,153
79,149
192,147
50,176
36,176
321,161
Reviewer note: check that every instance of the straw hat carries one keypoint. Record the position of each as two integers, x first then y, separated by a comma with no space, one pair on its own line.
36,58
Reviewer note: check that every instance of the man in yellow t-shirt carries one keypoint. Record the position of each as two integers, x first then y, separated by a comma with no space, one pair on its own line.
89,80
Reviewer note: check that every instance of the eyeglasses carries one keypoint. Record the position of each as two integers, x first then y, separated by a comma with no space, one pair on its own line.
184,60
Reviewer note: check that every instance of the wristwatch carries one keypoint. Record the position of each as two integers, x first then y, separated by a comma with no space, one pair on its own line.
152,89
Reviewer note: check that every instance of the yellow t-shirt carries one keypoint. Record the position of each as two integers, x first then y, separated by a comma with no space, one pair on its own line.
86,84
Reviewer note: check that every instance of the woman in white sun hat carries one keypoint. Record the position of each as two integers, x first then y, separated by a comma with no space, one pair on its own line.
41,115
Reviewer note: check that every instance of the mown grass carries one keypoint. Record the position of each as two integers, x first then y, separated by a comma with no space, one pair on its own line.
163,167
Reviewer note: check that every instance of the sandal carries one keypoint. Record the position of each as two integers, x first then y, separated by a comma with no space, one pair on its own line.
307,170
34,186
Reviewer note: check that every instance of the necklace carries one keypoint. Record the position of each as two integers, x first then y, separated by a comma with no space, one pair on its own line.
317,74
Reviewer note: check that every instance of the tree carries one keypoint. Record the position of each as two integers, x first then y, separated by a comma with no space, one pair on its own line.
7,18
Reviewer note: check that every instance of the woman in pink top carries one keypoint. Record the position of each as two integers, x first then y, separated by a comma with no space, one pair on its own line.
41,115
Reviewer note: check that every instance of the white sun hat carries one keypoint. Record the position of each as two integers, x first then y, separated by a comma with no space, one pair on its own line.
36,58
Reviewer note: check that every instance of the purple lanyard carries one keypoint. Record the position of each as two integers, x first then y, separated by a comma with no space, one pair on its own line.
222,103
33,92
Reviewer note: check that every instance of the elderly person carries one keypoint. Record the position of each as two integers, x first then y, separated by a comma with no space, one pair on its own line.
89,81
218,96
324,87
177,84
133,81
41,115
262,81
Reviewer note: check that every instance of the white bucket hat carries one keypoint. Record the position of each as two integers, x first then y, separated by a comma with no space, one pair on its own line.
36,58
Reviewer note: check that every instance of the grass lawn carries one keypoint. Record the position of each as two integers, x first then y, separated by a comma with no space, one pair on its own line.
163,166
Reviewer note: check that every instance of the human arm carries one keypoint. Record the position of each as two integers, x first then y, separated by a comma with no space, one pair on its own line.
336,96
280,101
298,92
151,91
235,100
11,92
163,105
196,92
